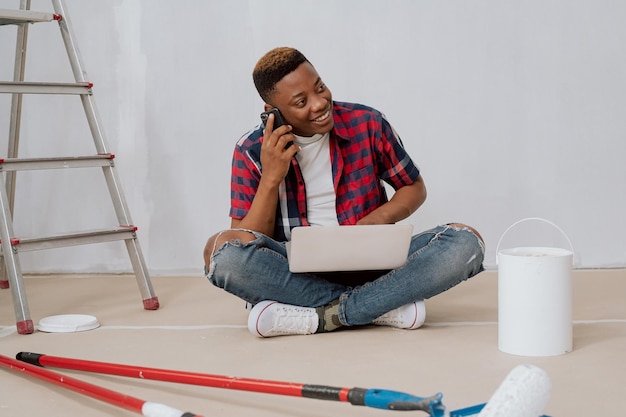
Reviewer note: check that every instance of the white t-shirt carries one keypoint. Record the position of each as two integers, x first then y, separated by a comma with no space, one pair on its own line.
314,161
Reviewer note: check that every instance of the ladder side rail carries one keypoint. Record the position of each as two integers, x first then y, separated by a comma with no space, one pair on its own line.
16,101
13,268
89,105
67,33
14,131
142,276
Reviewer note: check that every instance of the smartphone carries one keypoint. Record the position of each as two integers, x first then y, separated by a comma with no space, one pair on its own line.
278,118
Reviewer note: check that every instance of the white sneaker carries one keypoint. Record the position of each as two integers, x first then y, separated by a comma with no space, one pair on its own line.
271,318
409,316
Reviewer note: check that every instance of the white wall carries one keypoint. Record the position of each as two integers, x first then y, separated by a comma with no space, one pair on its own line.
511,109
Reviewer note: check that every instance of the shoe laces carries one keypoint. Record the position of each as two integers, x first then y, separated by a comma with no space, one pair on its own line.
402,317
294,319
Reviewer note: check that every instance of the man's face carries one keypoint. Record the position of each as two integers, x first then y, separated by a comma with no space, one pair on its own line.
304,101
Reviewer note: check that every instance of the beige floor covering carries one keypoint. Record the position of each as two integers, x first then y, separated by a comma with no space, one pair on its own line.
200,328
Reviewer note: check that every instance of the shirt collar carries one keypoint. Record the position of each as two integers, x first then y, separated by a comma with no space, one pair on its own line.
341,129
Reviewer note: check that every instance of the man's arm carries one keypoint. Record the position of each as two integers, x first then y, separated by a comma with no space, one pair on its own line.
275,162
262,214
404,202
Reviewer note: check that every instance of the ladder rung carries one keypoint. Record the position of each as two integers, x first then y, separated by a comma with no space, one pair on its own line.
74,239
23,164
14,17
45,88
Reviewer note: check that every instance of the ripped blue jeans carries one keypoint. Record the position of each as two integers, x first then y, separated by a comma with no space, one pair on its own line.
439,259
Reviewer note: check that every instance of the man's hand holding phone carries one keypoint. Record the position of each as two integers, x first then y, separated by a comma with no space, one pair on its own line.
277,150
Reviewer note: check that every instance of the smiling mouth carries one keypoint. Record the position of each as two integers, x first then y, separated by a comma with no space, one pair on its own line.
323,117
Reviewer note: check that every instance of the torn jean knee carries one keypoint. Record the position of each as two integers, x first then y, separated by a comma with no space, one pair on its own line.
258,270
235,242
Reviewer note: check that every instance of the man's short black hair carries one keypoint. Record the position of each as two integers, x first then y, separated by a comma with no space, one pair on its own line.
272,67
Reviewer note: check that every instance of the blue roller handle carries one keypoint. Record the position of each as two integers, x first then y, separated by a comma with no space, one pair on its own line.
393,400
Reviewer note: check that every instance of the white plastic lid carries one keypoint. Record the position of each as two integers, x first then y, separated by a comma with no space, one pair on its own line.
68,323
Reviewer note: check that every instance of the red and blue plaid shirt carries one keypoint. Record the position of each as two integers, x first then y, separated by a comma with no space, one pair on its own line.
364,151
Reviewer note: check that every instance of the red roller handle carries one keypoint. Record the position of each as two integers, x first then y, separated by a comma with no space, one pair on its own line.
166,375
103,394
375,398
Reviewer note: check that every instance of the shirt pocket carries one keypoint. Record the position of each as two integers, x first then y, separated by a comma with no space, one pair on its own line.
362,190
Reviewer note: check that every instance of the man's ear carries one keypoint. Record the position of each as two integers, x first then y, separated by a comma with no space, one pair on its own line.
268,107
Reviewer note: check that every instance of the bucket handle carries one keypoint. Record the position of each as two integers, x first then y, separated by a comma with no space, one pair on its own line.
527,219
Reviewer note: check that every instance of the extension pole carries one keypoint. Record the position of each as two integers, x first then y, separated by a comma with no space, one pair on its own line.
375,398
145,408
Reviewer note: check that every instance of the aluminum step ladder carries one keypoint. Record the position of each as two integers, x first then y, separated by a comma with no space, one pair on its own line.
12,245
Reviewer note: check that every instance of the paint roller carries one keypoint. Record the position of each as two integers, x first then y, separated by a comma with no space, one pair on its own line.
523,393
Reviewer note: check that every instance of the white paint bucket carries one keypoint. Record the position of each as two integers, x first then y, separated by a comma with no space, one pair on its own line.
534,298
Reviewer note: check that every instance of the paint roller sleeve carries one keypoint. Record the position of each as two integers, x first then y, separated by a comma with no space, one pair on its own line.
524,393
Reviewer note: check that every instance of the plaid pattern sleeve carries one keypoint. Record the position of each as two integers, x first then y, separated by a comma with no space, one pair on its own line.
367,151
245,173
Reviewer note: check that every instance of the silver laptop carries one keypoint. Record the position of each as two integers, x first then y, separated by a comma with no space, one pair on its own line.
348,248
